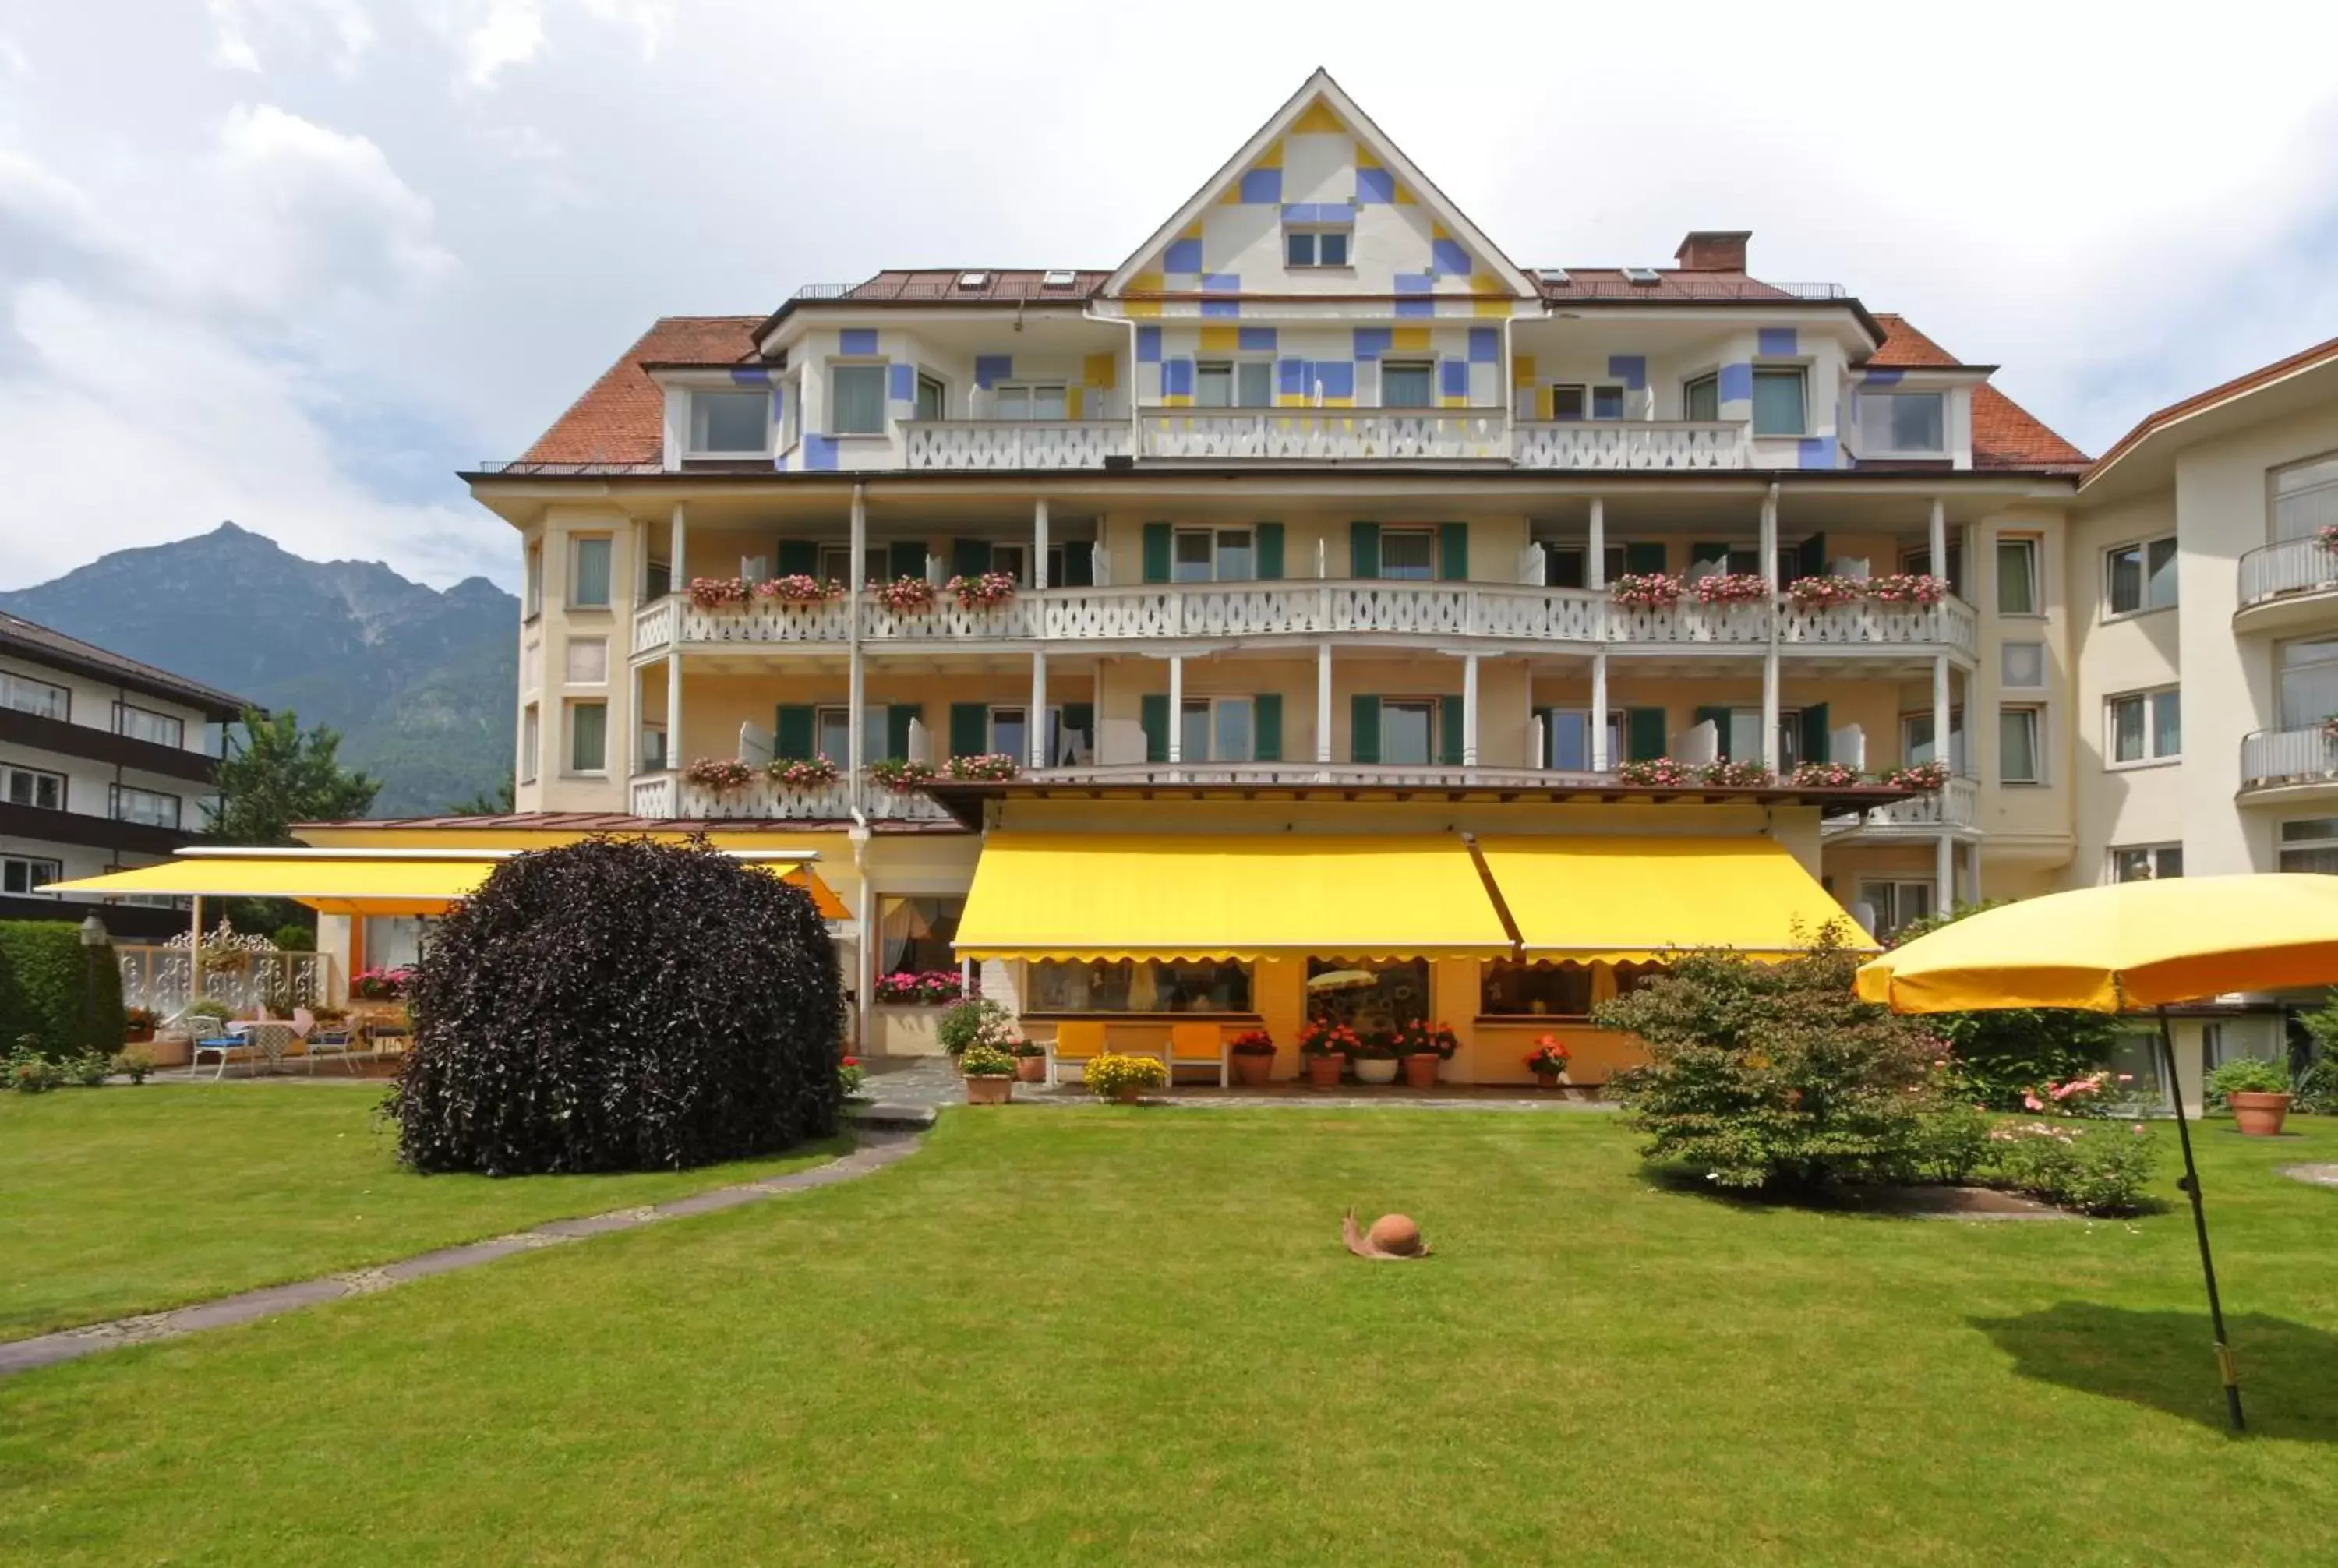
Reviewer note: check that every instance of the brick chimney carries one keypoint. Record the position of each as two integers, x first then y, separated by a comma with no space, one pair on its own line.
1713,251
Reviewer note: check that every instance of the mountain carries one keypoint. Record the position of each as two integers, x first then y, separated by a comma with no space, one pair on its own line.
419,682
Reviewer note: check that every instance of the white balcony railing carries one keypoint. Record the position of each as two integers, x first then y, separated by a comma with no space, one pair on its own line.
2291,567
1387,775
1631,444
1326,434
2272,757
1014,444
1957,806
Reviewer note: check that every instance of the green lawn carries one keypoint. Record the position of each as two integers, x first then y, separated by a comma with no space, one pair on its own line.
1123,1336
119,1201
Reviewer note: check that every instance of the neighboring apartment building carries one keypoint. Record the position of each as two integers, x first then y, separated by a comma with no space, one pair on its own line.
104,763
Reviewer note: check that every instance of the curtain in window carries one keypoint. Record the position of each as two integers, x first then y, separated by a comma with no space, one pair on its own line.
592,586
2309,683
1777,403
2017,746
2167,724
860,408
588,732
2306,499
2017,586
1702,399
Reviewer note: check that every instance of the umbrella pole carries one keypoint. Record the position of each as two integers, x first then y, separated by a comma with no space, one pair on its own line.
2200,1228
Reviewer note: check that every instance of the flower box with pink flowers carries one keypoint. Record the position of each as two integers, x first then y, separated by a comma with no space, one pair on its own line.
718,593
981,591
1825,592
799,589
1731,588
1907,588
1647,590
1663,772
904,595
719,773
803,773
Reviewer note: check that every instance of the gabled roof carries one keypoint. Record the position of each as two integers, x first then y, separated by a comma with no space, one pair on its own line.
621,418
2168,419
2005,436
1319,89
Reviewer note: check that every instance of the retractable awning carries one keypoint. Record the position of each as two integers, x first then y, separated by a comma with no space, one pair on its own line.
1630,899
1083,895
350,885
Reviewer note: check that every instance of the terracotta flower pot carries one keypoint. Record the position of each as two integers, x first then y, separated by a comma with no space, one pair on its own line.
1252,1069
2258,1115
990,1091
137,1033
1030,1069
1545,1080
1376,1070
1127,1094
1421,1070
1323,1071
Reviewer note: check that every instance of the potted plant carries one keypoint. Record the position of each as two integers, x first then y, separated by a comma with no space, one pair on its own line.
207,1013
2257,1092
1740,775
1645,590
850,1076
1731,588
1375,1060
138,1025
972,1023
1252,1051
1425,1047
990,1074
1661,772
1124,1078
803,772
1030,1060
717,592
719,773
1907,588
981,591
1547,1061
1825,590
1325,1046
1923,776
904,595
899,775
993,766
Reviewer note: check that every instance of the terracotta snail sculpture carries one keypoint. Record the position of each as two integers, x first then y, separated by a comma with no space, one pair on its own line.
1390,1236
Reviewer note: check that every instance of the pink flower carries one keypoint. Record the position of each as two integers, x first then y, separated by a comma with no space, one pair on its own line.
2032,1101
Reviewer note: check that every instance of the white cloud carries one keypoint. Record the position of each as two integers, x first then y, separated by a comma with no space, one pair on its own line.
13,56
340,28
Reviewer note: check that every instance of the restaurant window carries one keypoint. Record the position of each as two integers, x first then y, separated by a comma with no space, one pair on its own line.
2311,845
2145,727
533,605
145,724
2147,862
915,934
2305,498
932,399
2140,577
836,563
1741,739
1370,998
148,806
1567,738
1567,565
1408,732
2017,577
730,423
26,695
2309,682
1569,402
1607,402
25,874
1563,990
33,787
1316,246
2138,1083
1918,562
1010,733
1137,985
1233,383
856,400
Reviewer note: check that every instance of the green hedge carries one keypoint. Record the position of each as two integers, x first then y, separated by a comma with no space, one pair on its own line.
51,989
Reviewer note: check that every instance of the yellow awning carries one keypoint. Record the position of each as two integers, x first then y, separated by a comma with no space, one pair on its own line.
1175,896
348,886
1627,900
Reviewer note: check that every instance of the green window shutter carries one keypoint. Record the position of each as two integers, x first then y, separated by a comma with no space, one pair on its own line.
905,558
1453,551
799,557
1720,717
792,730
1811,556
1814,732
1270,551
898,716
969,557
1266,709
1156,552
1643,734
969,729
1364,729
1079,565
1449,732
1364,558
1152,713
1642,556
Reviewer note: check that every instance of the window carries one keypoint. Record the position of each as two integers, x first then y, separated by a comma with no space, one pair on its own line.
33,786
1030,400
931,398
1398,995
1564,990
856,400
2305,498
24,874
1701,398
2146,863
2309,845
1406,730
1315,247
533,603
1742,737
527,744
1564,565
1607,402
730,423
1217,730
1010,733
2017,746
2017,577
1138,986
1920,562
2021,666
588,737
1778,403
26,695
1568,403
914,934
588,589
1233,383
1408,554
2146,726
1896,902
1902,424
588,661
654,748
391,941
1567,738
148,806
1407,384
1211,555
2141,577
2309,682
145,724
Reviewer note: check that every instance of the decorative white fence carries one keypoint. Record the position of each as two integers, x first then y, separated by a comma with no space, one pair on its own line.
763,800
1383,774
1630,444
161,979
2291,567
2273,757
1330,435
1008,444
1957,806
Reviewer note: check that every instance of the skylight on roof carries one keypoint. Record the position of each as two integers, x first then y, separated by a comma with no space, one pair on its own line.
1056,277
1641,275
974,279
1557,275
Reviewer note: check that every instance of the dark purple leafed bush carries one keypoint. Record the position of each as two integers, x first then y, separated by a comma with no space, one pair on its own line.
619,1004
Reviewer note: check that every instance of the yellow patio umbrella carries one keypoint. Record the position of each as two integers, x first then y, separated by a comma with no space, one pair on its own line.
2127,947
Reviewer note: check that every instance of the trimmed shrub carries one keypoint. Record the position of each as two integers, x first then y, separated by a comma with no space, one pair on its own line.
621,1005
52,989
2095,1168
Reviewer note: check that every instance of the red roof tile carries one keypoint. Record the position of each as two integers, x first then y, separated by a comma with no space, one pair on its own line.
1904,346
621,418
2005,436
927,284
1672,283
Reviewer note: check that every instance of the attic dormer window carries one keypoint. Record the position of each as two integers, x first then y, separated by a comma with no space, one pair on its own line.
1316,244
730,423
1902,424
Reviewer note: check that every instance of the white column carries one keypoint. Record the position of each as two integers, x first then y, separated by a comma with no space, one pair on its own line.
1594,554
1936,539
1039,542
1944,871
673,756
1176,707
1973,893
1324,702
1942,748
1769,707
864,967
1036,719
1770,538
856,678
1469,711
1600,761
676,553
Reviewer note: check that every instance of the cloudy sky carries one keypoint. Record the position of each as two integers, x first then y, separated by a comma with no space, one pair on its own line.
295,262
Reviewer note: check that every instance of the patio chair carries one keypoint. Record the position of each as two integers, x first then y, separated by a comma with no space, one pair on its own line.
322,1042
1077,1041
221,1044
1199,1046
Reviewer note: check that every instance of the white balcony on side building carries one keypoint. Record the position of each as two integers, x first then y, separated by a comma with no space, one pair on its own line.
974,445
2290,765
1956,808
1640,443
